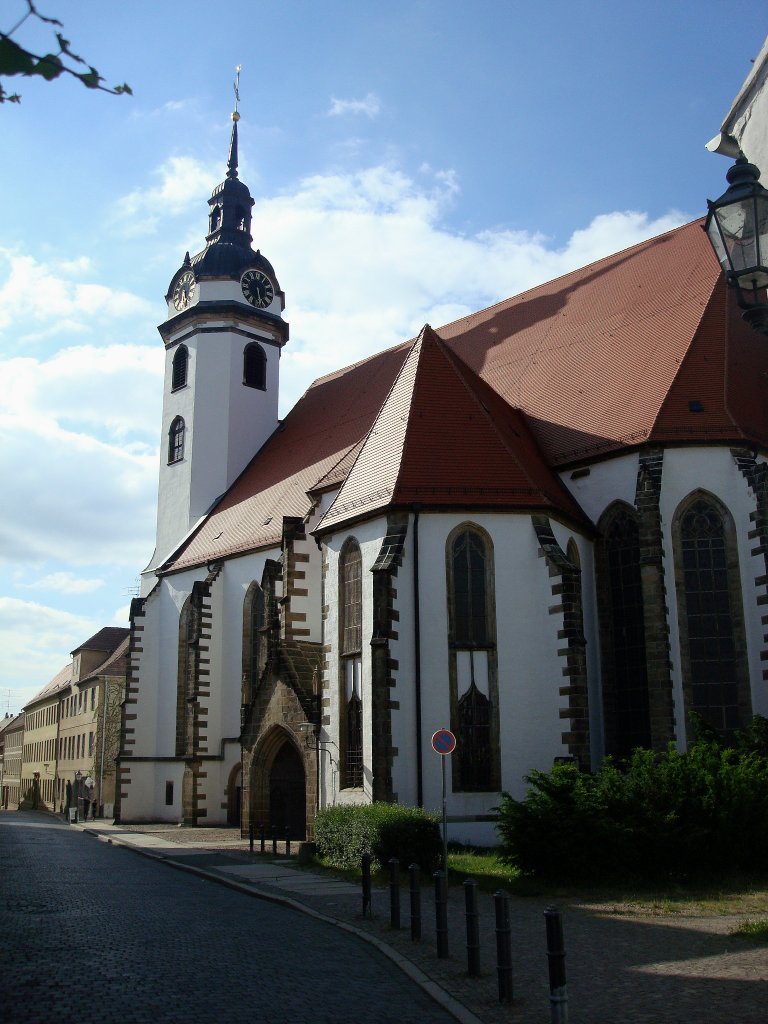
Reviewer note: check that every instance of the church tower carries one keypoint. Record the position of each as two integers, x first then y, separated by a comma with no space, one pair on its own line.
223,335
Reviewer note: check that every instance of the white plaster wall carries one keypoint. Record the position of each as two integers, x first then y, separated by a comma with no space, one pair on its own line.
606,482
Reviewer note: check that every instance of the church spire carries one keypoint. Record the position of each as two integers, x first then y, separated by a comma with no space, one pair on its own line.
232,161
229,221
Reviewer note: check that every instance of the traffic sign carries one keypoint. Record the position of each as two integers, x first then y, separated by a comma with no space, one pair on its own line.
443,742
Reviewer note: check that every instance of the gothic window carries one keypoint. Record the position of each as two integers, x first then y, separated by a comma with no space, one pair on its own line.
189,634
474,686
254,366
713,650
176,441
620,595
351,644
254,640
180,364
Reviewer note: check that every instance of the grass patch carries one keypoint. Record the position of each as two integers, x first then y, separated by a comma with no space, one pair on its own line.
757,931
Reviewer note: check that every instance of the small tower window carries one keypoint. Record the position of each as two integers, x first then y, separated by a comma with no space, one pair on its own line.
215,218
180,365
176,441
255,367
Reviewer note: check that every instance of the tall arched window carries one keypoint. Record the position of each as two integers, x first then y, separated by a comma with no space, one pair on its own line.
254,366
622,631
189,635
712,638
472,636
254,640
351,646
180,365
176,441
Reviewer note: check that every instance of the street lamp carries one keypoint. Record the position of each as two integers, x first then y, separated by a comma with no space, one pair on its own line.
737,228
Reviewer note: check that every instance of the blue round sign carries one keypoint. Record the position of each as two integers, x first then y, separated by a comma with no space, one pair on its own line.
443,742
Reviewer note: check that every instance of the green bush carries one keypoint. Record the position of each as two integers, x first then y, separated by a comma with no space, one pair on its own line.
656,817
345,832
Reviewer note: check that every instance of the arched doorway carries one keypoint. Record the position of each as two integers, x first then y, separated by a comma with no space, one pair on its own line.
288,792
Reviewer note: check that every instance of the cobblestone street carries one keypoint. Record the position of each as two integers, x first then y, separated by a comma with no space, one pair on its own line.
94,933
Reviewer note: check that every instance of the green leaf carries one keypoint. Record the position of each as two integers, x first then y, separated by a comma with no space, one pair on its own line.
49,66
13,59
124,88
91,80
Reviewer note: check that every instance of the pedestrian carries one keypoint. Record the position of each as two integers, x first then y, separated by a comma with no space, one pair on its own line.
86,805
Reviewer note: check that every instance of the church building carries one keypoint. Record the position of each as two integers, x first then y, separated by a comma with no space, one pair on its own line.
543,527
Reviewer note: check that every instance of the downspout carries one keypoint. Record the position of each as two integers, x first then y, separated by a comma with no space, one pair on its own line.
417,658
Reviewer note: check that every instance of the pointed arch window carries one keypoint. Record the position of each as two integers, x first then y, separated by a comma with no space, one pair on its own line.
254,640
176,440
180,367
351,644
712,637
473,663
622,628
186,684
254,366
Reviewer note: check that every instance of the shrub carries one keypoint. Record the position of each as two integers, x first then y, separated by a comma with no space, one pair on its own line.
657,816
345,832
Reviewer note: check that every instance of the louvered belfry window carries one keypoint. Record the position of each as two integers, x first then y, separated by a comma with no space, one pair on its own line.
254,366
180,367
351,640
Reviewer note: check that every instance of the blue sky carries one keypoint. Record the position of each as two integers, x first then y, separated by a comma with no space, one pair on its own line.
410,161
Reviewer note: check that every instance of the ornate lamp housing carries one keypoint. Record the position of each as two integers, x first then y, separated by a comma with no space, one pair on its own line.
737,228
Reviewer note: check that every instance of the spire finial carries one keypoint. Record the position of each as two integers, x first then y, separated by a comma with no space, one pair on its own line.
232,162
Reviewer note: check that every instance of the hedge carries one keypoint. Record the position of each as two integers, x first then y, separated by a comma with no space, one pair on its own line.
344,832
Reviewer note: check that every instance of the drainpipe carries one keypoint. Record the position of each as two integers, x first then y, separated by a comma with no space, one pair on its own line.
417,658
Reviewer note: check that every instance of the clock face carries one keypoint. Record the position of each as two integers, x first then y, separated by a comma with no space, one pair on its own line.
257,288
184,291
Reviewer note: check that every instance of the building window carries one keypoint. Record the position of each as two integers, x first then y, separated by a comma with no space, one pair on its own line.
472,660
254,640
351,644
186,686
90,743
168,794
180,365
176,441
712,637
622,629
254,366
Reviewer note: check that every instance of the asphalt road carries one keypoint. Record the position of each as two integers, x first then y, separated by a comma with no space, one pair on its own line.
90,932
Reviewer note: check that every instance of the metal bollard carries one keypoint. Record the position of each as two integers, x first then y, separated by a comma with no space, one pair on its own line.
262,836
558,992
287,842
503,947
250,835
274,840
414,873
394,892
366,879
473,928
441,914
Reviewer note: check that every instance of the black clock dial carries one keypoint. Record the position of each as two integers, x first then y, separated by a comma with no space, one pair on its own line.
257,288
184,290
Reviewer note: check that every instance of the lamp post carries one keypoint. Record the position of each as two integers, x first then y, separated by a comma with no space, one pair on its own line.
737,228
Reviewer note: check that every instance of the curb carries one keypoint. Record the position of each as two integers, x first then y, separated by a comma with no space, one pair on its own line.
451,1005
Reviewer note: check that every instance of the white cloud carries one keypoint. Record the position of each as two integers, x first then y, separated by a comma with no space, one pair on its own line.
182,181
35,641
370,106
65,583
37,300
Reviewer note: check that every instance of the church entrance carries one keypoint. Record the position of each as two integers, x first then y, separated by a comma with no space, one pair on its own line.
288,792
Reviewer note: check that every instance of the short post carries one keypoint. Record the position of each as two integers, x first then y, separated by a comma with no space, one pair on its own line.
366,879
503,947
394,893
250,835
287,842
441,914
558,992
274,840
473,928
262,837
414,873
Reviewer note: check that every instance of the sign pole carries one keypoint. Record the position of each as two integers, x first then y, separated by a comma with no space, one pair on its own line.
444,744
445,826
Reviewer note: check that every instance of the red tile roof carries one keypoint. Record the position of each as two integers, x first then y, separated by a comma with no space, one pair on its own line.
605,358
107,639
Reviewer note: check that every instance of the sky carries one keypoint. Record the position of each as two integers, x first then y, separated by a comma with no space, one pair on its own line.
411,162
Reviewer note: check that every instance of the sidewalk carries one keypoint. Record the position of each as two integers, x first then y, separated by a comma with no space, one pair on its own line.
629,968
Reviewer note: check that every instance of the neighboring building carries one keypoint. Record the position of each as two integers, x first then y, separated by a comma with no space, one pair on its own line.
744,126
40,785
12,741
85,767
543,526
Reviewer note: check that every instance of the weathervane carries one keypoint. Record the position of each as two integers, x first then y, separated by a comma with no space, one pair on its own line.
236,87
